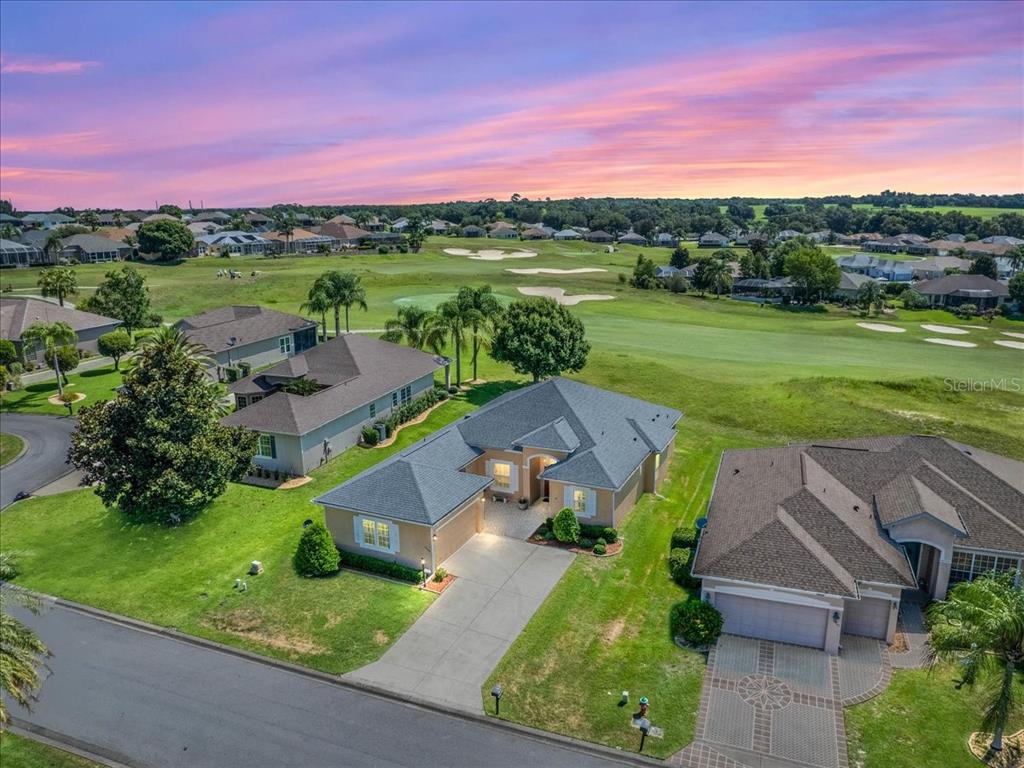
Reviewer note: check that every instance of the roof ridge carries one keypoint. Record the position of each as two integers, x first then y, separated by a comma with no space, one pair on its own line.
996,513
812,545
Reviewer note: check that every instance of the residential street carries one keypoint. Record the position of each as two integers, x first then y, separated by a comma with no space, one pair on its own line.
48,438
147,700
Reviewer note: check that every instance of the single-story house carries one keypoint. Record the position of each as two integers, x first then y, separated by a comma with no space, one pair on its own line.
14,254
348,235
806,543
821,236
893,270
300,241
438,226
533,233
787,234
233,241
632,238
850,283
258,221
46,220
382,237
14,221
567,234
362,380
159,217
936,266
341,218
753,288
217,217
18,313
713,240
472,230
399,225
1002,240
95,249
504,233
599,236
374,224
956,238
588,449
199,228
954,290
249,334
666,271
114,219
666,240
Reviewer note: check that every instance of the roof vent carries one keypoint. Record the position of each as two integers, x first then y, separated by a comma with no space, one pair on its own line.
233,340
856,507
736,471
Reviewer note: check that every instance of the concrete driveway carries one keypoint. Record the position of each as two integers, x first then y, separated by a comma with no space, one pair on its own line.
447,655
44,460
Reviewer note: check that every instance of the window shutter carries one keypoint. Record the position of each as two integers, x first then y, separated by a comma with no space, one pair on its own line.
567,496
513,473
357,530
395,543
273,447
591,502
490,468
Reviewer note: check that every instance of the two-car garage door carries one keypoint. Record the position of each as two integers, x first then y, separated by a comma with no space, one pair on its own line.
771,620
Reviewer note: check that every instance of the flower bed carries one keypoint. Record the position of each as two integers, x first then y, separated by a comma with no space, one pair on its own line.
595,540
439,586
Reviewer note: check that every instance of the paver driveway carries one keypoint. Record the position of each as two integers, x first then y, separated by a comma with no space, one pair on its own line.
452,648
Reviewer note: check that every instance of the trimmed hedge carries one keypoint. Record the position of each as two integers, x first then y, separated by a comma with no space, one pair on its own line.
316,554
695,621
600,549
679,566
683,537
381,567
412,409
610,535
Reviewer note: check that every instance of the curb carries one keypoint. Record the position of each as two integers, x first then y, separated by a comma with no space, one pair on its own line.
565,742
67,744
25,445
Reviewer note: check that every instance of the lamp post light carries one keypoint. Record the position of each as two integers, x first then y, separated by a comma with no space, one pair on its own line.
423,570
644,725
496,692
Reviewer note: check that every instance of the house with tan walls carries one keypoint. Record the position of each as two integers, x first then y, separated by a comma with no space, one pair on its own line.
558,443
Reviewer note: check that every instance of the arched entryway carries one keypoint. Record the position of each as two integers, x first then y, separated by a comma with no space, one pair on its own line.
931,572
539,489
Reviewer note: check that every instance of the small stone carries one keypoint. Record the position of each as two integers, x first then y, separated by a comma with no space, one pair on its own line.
256,568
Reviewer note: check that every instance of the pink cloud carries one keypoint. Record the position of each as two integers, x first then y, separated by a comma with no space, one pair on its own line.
35,65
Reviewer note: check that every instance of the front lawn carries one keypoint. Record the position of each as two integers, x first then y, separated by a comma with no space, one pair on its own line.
22,752
921,719
10,447
97,383
184,577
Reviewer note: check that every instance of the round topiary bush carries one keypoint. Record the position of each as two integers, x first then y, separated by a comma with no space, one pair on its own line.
602,542
586,543
679,566
600,549
697,622
566,526
316,554
610,535
683,537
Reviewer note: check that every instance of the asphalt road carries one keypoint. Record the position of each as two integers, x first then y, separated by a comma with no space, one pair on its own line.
49,438
148,700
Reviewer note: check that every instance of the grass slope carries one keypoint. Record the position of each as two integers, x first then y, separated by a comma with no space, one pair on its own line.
10,447
22,752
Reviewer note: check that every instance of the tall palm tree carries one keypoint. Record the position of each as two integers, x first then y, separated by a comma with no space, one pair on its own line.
450,322
345,290
285,226
54,245
59,282
481,326
50,336
981,626
318,302
410,326
21,652
170,342
869,296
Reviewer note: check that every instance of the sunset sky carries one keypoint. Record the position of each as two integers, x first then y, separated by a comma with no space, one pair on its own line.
124,105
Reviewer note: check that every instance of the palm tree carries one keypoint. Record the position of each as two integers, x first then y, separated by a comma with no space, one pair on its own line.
8,232
59,282
318,302
54,245
981,626
411,325
21,652
713,274
344,290
50,336
869,295
285,226
168,341
488,308
449,322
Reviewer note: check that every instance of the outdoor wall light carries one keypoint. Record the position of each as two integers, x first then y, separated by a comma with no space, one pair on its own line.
835,617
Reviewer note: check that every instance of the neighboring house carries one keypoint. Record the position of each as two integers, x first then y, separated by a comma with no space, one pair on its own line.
956,238
667,271
14,254
46,220
363,379
472,230
91,249
752,288
159,217
399,225
382,237
821,236
301,241
850,283
199,228
1002,240
954,290
249,334
713,240
599,236
588,449
892,270
341,219
258,221
936,266
787,234
632,238
438,227
235,242
17,314
217,217
348,235
857,238
533,233
567,234
808,542
14,221
668,240
504,233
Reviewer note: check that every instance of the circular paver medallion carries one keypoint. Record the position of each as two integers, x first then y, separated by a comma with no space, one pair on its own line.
764,691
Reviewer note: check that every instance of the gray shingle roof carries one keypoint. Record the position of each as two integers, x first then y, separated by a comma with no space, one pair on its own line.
94,243
17,314
966,284
238,324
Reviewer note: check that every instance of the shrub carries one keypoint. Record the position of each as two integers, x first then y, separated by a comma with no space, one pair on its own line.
683,537
586,543
566,527
600,549
316,554
610,535
383,249
679,566
913,300
440,575
370,436
550,523
602,542
8,353
697,622
380,567
549,536
966,311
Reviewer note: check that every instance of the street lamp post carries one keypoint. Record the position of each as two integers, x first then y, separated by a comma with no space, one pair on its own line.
423,570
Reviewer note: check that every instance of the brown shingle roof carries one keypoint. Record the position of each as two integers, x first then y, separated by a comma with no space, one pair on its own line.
952,284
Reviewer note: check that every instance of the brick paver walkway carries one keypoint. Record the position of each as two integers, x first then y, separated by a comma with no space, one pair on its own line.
772,704
911,624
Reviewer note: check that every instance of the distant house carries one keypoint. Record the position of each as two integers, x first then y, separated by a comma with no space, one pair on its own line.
821,236
1002,240
348,235
534,233
341,218
362,379
666,240
850,283
632,238
235,242
14,221
599,236
91,249
929,269
374,224
386,238
249,334
472,230
770,289
198,228
159,217
217,217
567,234
14,254
46,220
954,290
300,241
114,219
787,234
956,238
17,314
741,239
438,227
713,240
504,233
666,271
258,221
892,270
399,225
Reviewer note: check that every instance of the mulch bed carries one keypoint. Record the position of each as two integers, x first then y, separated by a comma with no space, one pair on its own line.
76,397
899,644
1011,756
277,485
610,549
438,586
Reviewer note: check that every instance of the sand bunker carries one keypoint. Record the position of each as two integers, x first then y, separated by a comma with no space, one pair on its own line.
550,271
1010,344
1013,333
558,295
945,329
882,327
490,254
951,342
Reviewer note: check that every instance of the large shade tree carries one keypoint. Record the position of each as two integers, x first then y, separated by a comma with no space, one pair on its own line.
50,337
166,238
22,653
980,625
58,282
123,295
540,337
158,449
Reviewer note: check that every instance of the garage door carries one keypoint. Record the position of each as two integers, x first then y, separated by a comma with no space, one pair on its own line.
868,616
771,620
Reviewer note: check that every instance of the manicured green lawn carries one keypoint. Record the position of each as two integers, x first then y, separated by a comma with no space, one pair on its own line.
921,719
10,447
183,577
21,752
97,383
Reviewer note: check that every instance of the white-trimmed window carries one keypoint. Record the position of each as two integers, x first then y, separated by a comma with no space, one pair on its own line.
406,394
373,533
285,345
267,447
504,474
394,399
582,501
967,566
